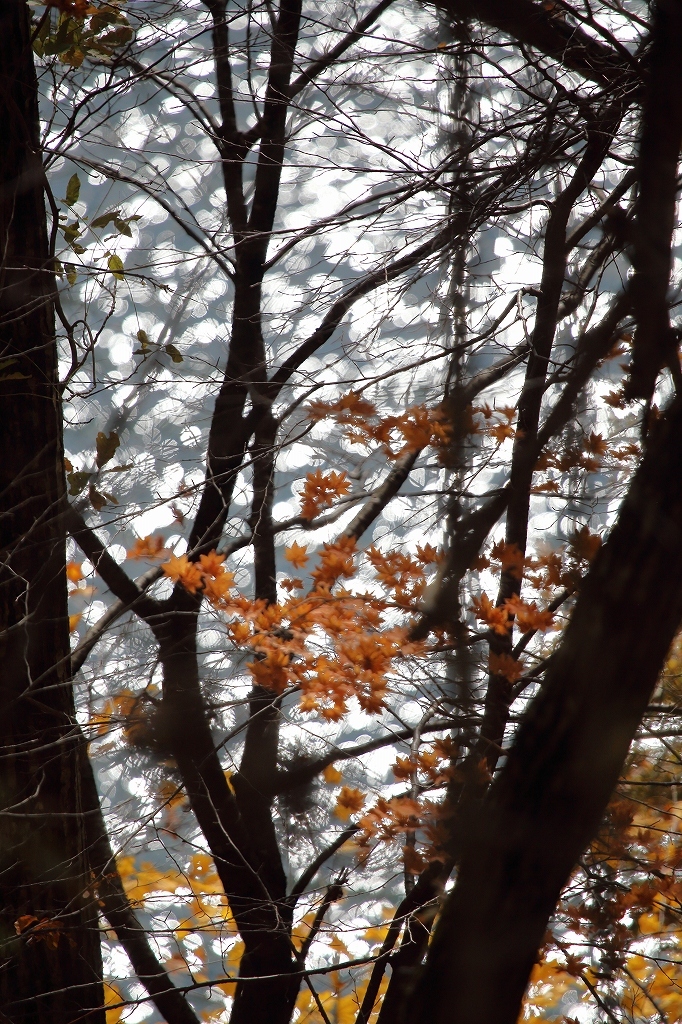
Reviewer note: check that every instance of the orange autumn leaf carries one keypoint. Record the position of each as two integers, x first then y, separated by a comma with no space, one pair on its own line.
180,570
529,616
349,801
147,547
510,557
74,620
404,768
347,409
74,572
297,554
497,618
217,587
212,564
331,775
320,489
270,671
506,666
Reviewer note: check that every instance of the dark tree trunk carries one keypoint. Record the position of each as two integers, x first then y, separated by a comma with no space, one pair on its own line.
50,967
550,796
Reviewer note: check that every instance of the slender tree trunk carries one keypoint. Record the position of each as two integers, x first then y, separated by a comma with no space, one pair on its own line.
50,963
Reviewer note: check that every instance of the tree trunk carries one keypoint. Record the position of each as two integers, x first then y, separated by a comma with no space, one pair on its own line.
50,969
550,796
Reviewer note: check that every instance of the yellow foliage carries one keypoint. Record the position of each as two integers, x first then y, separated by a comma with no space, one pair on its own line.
112,997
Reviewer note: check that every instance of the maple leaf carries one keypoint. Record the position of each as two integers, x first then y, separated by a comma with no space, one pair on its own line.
403,769
240,632
584,544
320,489
297,554
216,587
427,554
497,618
180,570
349,801
270,671
596,445
212,564
501,432
506,666
293,584
528,616
616,399
331,775
148,547
336,560
510,557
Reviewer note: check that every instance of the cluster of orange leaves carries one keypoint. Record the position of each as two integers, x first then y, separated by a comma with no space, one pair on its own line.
500,618
430,766
392,819
493,422
589,455
551,569
412,430
207,575
319,491
329,644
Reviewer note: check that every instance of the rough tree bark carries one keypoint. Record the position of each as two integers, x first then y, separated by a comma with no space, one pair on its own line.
550,796
50,963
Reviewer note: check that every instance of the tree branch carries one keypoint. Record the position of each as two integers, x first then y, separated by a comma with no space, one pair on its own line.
171,1004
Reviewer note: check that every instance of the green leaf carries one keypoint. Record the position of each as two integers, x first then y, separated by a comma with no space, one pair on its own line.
115,264
71,274
77,481
58,269
106,447
62,41
72,231
78,249
173,353
73,190
122,227
105,218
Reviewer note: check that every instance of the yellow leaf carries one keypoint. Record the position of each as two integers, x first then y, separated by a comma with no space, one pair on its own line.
112,997
115,264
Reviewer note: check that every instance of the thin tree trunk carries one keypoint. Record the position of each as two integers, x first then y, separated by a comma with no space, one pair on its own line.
50,963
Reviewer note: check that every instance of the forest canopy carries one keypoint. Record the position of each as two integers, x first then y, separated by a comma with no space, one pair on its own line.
341,578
